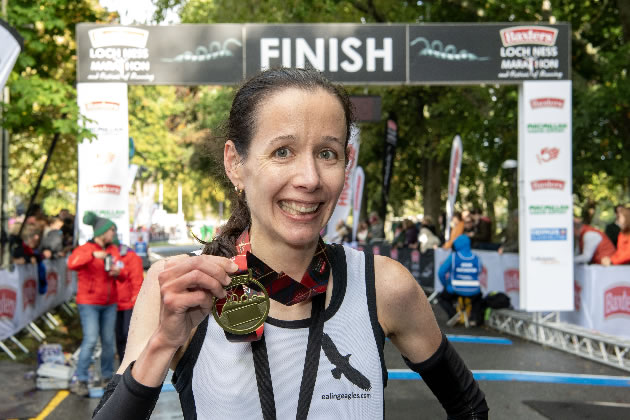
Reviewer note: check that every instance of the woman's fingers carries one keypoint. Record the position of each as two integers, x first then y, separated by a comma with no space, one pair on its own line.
193,280
213,266
182,302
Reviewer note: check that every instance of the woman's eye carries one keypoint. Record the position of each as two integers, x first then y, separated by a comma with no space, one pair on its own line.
283,152
328,154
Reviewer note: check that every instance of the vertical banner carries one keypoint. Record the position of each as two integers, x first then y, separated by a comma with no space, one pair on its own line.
545,196
12,43
391,139
104,161
453,181
357,198
342,211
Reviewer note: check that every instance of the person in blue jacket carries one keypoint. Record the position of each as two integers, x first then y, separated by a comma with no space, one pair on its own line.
459,275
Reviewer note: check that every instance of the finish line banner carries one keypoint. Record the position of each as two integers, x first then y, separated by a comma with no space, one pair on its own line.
225,54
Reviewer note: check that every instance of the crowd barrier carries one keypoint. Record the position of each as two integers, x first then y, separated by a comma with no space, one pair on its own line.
20,300
602,294
602,299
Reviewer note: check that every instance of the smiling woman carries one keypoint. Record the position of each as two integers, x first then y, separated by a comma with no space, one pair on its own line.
294,320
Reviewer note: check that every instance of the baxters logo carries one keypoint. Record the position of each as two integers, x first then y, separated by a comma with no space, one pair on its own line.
105,189
546,103
53,281
102,106
547,154
617,301
511,280
536,35
547,184
29,292
8,299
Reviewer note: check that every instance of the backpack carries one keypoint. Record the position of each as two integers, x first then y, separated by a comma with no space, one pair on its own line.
497,300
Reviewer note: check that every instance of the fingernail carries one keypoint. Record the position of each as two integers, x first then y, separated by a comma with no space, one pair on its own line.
234,266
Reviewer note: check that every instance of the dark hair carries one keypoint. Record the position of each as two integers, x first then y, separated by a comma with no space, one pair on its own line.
241,126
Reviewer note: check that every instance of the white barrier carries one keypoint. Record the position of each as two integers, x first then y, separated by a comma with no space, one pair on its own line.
602,294
20,301
602,299
500,273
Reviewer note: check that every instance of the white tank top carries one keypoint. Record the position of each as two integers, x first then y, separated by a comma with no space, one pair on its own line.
350,377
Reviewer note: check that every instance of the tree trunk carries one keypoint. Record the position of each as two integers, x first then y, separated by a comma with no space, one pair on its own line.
624,17
432,180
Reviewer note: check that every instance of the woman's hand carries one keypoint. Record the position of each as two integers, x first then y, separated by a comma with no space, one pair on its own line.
606,261
187,288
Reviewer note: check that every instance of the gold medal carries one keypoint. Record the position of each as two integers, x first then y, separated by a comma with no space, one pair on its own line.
245,308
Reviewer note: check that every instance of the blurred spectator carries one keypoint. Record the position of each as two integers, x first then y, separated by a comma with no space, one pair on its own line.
399,235
376,230
427,238
593,245
459,274
127,293
622,255
52,244
457,228
612,229
97,271
479,231
25,248
411,234
362,233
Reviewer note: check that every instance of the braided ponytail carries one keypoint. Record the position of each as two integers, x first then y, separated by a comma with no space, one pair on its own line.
224,244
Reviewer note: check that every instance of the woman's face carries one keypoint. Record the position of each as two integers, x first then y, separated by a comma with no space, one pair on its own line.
295,168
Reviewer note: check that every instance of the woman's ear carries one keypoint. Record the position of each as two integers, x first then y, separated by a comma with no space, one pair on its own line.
232,161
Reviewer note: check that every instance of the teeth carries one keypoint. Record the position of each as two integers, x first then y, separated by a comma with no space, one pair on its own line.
294,208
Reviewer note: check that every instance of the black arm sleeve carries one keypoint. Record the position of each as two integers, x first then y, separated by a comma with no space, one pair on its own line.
127,399
452,383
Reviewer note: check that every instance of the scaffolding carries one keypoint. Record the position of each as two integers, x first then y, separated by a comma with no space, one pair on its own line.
548,331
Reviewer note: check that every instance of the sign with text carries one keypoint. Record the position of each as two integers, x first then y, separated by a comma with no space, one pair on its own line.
545,200
160,55
497,53
197,54
12,44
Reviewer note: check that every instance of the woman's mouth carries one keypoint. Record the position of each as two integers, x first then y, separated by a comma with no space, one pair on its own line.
298,209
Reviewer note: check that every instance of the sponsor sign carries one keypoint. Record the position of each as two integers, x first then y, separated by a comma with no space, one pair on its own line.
538,103
617,301
454,169
12,43
511,280
547,184
391,140
546,128
357,198
8,299
548,209
549,234
29,292
173,55
498,52
545,260
547,154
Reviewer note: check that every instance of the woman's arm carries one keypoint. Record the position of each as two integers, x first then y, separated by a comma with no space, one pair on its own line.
407,319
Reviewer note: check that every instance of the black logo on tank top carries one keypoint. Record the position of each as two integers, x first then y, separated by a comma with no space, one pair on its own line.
342,365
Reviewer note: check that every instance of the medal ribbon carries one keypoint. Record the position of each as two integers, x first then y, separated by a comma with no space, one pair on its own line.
279,286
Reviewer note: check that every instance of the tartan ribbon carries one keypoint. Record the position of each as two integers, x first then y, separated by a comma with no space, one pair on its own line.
280,286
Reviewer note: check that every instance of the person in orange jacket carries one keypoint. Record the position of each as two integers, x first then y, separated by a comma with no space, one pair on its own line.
622,255
127,294
99,269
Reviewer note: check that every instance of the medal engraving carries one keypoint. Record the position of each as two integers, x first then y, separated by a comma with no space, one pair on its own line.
246,306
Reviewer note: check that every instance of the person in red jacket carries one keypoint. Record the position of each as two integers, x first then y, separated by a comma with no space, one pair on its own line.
593,244
98,269
622,255
127,293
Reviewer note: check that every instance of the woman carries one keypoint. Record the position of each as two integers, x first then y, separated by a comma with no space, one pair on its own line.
622,255
285,155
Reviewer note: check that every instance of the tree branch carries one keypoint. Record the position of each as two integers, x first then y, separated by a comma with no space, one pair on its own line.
369,9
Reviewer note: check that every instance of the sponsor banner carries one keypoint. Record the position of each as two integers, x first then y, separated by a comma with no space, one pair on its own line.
169,55
503,53
342,210
602,299
104,162
12,43
500,273
457,149
391,139
20,301
347,53
545,180
357,198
